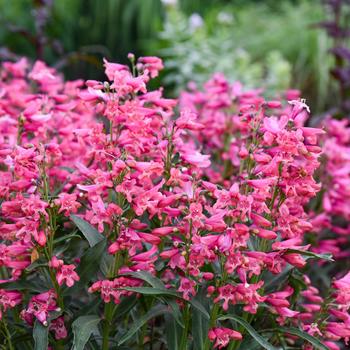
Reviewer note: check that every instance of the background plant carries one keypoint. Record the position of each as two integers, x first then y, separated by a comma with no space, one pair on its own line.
187,40
228,34
337,27
255,50
75,35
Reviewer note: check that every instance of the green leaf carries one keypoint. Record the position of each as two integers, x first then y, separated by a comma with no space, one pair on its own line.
147,277
82,327
37,263
154,312
125,306
297,282
84,308
89,232
88,266
67,237
89,262
23,285
277,280
151,291
258,338
197,305
303,335
175,310
173,333
53,315
168,292
325,256
41,336
158,286
107,260
200,324
250,343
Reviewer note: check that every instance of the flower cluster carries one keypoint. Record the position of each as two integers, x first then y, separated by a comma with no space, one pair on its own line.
107,193
38,147
332,210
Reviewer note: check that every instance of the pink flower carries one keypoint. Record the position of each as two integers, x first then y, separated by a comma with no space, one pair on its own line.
197,159
8,299
187,120
227,293
342,287
57,325
187,287
64,273
150,63
112,289
222,336
39,307
67,275
68,203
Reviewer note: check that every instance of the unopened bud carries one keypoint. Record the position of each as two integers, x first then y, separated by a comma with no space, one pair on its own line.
131,57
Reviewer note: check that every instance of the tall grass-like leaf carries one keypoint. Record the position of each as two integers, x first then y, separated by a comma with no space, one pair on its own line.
41,336
175,310
147,277
125,306
159,285
89,232
197,305
173,333
154,312
23,285
83,326
89,265
89,262
325,256
258,338
151,291
161,291
303,335
200,323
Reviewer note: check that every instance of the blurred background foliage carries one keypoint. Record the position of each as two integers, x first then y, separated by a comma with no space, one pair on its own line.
264,43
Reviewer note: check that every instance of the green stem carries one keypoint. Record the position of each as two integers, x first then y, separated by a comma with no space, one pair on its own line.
54,282
108,312
213,317
169,155
183,343
142,337
8,335
110,307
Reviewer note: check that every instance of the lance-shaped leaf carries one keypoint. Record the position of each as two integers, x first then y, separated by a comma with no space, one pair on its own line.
257,337
310,255
167,292
83,326
41,336
200,323
151,291
303,335
88,266
147,277
33,286
173,332
89,232
154,312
